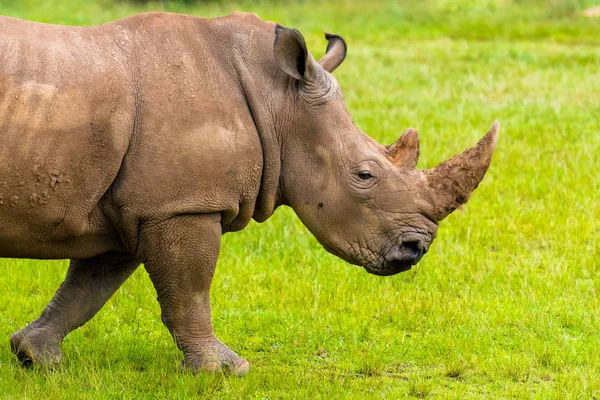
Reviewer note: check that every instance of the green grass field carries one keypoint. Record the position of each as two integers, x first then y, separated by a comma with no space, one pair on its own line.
505,305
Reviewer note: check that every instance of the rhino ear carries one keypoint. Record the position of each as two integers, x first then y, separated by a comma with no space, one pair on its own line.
404,152
290,52
451,182
335,54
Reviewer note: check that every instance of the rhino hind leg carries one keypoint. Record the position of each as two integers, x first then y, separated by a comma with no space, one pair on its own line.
180,255
87,287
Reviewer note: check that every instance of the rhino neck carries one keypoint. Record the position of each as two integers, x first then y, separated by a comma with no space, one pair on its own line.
259,81
269,196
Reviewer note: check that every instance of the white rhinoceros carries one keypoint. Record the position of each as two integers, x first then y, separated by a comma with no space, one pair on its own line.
145,139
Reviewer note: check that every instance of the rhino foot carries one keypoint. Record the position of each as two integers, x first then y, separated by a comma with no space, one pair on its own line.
36,346
214,357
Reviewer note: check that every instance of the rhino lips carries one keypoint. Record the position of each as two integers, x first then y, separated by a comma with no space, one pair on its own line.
397,259
385,267
390,268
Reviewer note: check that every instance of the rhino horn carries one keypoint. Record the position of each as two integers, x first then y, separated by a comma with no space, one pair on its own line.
335,54
451,182
404,152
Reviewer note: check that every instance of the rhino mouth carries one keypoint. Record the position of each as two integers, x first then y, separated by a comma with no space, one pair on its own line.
398,258
388,268
390,264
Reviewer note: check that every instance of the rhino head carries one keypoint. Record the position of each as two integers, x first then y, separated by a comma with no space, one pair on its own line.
364,202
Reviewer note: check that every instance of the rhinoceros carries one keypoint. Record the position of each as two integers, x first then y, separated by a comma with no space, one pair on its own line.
146,139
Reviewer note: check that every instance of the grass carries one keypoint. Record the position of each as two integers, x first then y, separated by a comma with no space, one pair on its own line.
504,305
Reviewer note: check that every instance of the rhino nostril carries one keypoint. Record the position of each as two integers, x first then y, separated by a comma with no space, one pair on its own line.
416,246
408,252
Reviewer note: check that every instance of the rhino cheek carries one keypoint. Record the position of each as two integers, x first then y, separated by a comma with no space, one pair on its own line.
349,235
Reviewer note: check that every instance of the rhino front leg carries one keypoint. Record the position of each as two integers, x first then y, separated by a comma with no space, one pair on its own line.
180,255
88,286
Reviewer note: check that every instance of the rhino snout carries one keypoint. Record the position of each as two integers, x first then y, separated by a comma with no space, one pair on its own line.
401,257
409,251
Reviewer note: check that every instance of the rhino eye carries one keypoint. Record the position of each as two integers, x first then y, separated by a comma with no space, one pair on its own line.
364,175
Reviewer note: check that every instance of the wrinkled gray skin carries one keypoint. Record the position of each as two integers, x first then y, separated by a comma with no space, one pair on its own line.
146,139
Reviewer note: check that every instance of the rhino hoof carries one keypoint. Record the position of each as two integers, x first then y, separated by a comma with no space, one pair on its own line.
214,357
35,347
238,368
242,368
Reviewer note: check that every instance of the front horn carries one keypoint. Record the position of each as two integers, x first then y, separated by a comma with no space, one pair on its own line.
335,53
452,181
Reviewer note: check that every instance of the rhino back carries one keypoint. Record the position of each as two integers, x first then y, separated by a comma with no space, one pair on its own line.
66,117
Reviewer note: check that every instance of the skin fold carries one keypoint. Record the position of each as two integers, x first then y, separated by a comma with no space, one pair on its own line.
146,139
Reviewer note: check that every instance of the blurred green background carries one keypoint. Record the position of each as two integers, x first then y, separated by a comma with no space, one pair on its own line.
504,305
